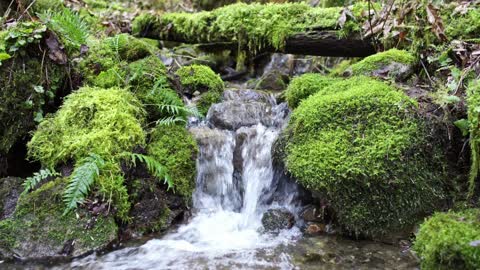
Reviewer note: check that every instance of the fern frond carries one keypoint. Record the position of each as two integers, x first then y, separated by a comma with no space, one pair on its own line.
82,179
154,167
68,25
179,109
169,121
31,182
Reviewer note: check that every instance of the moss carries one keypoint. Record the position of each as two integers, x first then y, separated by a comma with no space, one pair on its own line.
40,6
199,78
175,147
255,26
464,26
358,141
25,89
473,102
39,228
91,120
445,241
378,60
106,62
207,100
306,85
149,82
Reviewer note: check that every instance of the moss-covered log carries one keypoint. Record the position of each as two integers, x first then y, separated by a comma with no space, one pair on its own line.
287,28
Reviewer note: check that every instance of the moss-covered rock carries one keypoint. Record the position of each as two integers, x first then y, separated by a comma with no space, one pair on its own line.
450,241
199,78
174,147
39,229
91,120
206,100
107,59
394,63
359,142
149,82
306,85
28,82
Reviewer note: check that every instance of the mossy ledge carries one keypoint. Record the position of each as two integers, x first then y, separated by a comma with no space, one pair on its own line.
359,142
38,228
450,241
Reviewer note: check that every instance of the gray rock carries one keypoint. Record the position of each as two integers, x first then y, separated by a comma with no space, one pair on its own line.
10,189
275,220
232,115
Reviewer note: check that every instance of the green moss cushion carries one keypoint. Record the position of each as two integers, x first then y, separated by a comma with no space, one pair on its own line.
306,85
174,147
359,142
450,241
91,120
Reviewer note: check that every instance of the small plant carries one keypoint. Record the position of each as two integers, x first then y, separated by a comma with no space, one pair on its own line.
20,36
179,114
31,182
72,29
153,166
83,177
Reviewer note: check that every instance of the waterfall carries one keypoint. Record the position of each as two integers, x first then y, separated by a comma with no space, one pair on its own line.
235,186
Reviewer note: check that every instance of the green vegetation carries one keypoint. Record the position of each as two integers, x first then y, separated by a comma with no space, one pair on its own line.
450,241
359,142
462,26
176,149
199,78
38,226
473,101
306,85
28,80
376,61
92,120
254,26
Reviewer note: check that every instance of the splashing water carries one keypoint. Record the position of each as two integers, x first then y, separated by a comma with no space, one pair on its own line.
235,180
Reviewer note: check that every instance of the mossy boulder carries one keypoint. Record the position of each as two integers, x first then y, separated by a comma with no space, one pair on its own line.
360,143
174,147
201,80
107,59
306,85
38,228
149,81
450,241
394,63
91,120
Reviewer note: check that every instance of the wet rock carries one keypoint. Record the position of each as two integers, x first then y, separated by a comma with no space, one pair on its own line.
314,228
10,189
313,213
277,219
274,80
153,209
399,71
247,95
232,115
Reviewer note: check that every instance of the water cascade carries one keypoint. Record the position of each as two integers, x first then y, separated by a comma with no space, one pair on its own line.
235,187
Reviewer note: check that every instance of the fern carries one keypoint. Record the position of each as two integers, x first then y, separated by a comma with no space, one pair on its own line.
68,25
169,121
31,182
153,166
81,180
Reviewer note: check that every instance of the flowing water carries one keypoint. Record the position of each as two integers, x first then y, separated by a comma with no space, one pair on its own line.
236,184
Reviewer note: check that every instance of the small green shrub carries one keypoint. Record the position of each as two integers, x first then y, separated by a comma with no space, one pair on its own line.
450,241
175,148
359,142
306,85
199,78
91,120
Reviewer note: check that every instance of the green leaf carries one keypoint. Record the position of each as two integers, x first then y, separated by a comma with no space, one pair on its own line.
463,125
5,56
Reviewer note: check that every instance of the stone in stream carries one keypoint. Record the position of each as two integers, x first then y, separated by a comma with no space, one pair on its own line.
275,220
